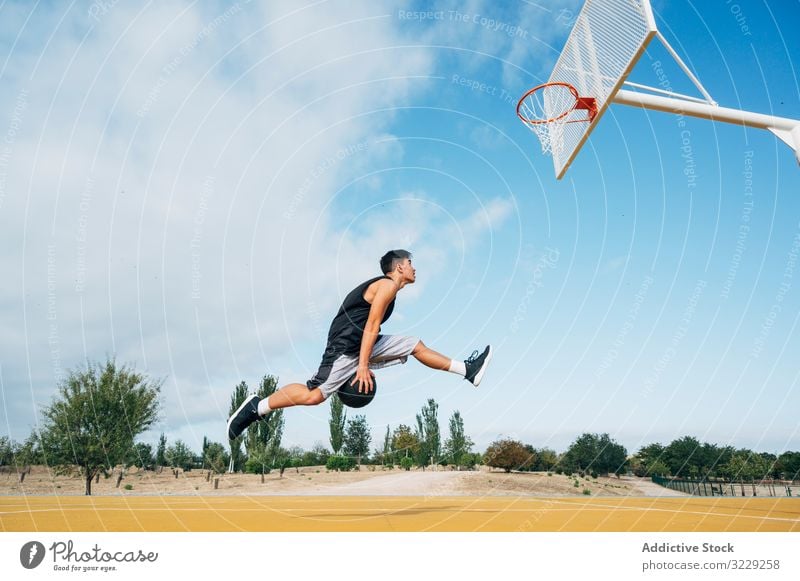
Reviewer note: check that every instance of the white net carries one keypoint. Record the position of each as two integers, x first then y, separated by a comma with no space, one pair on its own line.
545,111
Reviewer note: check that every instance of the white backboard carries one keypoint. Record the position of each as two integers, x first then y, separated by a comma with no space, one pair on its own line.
607,39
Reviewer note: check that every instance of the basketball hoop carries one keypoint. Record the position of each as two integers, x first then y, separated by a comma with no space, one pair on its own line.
546,109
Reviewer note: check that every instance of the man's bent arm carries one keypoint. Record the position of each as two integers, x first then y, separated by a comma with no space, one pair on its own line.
383,296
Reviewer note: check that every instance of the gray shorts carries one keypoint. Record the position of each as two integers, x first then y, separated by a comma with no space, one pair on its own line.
388,350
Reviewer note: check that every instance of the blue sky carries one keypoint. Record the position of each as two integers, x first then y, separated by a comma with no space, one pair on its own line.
194,187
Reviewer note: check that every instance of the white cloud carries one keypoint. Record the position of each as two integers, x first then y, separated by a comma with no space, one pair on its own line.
181,168
177,162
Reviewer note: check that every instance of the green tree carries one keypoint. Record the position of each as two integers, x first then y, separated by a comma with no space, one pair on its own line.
546,459
280,459
295,457
646,457
533,459
712,458
429,449
657,468
98,412
180,456
161,451
23,456
340,463
404,443
317,456
357,438
7,451
30,453
216,457
267,433
469,460
788,465
591,453
385,457
736,468
273,444
771,463
581,454
612,458
259,461
337,424
506,454
747,465
143,456
684,457
458,443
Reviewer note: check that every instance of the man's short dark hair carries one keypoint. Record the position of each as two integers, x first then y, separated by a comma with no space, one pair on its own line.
391,259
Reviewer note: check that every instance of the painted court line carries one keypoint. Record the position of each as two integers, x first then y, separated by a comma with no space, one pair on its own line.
566,507
327,513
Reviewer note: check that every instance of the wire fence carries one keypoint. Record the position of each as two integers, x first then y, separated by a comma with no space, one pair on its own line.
720,487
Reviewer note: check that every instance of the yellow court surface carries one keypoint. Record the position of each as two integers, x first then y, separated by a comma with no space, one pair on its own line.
396,514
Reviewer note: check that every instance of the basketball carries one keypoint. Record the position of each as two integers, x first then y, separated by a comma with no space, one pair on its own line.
349,396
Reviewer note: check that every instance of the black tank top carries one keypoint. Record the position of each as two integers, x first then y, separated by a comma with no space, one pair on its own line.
347,328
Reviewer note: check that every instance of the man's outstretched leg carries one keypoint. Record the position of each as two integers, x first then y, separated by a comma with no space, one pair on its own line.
253,408
471,368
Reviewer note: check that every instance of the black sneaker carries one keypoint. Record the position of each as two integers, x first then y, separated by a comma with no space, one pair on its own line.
477,364
243,417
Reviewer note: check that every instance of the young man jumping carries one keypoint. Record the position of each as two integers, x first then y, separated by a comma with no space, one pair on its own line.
355,346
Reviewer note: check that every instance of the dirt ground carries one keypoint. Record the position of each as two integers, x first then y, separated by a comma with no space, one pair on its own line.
316,480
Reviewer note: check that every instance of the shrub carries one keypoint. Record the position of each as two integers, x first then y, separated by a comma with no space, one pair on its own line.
256,466
586,491
129,487
406,463
468,460
506,454
340,463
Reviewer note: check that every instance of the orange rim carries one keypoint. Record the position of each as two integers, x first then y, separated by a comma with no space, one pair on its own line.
572,90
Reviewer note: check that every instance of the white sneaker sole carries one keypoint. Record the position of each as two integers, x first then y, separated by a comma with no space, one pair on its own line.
236,413
479,375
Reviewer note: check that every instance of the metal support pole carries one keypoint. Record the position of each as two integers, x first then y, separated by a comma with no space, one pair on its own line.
787,130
